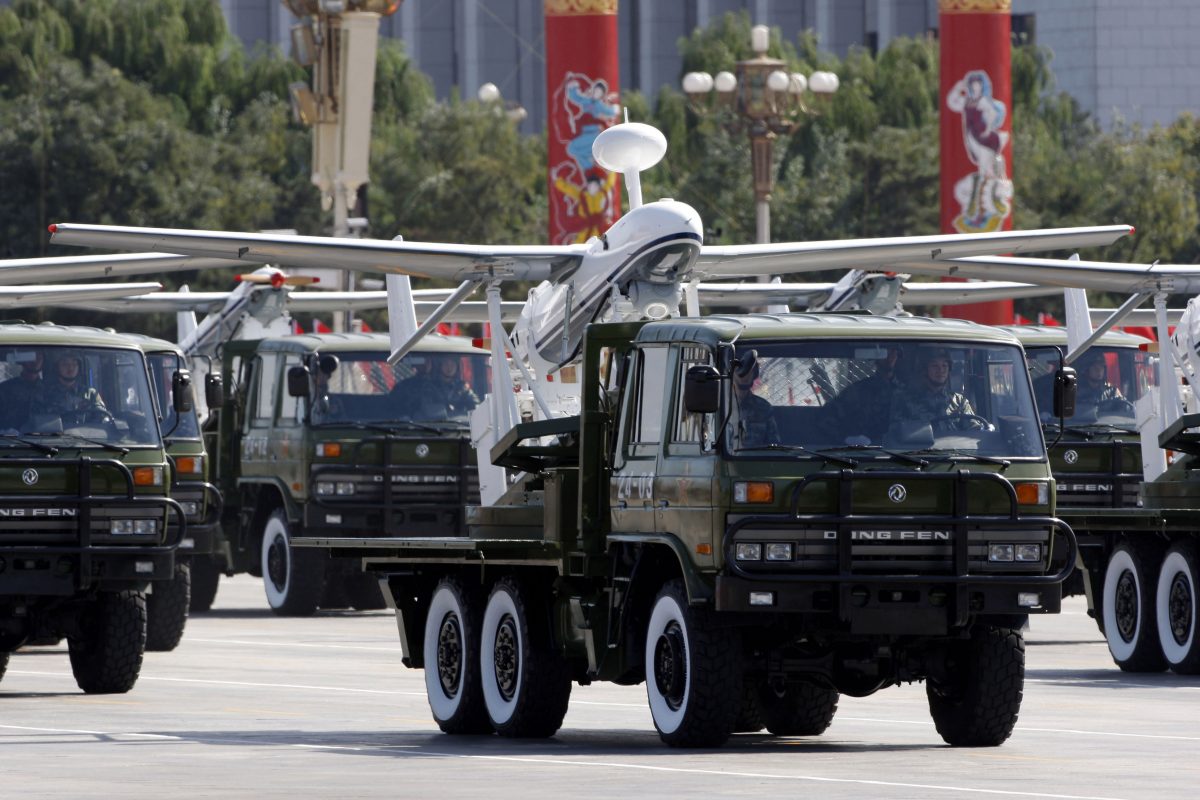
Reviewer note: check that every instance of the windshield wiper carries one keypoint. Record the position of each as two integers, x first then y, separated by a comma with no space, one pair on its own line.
849,462
962,455
39,446
392,424
116,448
905,457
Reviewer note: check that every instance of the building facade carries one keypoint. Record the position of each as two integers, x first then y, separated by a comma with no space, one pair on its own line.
1121,59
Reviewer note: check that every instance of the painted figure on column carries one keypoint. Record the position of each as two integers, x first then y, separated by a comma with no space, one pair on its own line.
985,196
586,189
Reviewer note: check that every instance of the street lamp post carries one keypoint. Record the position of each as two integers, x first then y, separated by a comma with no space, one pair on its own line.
765,100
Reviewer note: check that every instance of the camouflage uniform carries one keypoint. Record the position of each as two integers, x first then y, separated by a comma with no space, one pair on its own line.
756,421
19,401
1089,396
76,399
937,407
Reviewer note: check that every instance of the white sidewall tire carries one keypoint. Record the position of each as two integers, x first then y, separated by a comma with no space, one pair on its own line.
1120,562
500,605
276,529
444,603
667,610
1173,565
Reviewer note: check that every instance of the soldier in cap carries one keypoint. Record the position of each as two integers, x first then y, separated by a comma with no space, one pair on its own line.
67,394
930,398
756,416
1094,387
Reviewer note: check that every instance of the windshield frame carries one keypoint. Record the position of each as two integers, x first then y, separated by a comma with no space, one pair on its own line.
727,415
126,418
166,410
345,417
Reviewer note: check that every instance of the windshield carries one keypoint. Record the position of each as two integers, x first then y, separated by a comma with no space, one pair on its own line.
904,396
422,387
1111,379
71,392
163,366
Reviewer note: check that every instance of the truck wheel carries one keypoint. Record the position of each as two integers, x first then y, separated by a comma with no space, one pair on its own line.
750,716
206,577
1176,608
452,661
526,682
167,610
977,704
799,708
293,577
106,657
690,666
362,588
1127,604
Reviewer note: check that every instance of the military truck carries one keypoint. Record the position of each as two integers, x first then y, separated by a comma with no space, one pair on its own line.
319,434
86,524
753,515
196,575
1095,453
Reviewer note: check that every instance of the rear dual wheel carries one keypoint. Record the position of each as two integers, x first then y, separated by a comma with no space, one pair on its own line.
1175,605
451,647
293,577
1128,608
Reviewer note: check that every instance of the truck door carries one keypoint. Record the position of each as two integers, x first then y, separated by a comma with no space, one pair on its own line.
683,485
286,446
260,413
643,409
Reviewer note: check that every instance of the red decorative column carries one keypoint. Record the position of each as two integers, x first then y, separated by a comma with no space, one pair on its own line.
581,92
976,127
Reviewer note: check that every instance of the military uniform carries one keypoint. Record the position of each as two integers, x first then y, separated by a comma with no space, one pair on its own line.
75,400
431,398
937,407
756,421
19,401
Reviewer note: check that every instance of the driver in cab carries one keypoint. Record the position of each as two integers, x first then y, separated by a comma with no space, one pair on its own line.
65,393
930,398
1094,387
756,417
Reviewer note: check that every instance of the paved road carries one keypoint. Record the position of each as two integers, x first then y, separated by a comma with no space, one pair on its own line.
251,705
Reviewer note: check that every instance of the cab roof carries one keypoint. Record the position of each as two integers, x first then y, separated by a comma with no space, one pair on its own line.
717,329
49,334
152,344
1033,335
345,342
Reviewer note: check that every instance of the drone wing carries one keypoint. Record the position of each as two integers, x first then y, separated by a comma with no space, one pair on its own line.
1068,274
891,253
78,294
457,262
68,268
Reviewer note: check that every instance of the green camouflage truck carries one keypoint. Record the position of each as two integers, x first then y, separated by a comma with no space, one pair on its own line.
319,434
86,523
196,573
753,515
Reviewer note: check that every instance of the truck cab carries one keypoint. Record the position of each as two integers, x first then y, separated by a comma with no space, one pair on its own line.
1095,453
196,574
319,433
86,523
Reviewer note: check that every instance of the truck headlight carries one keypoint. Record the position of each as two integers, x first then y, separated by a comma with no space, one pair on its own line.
136,527
190,507
1001,552
779,551
1029,552
345,488
324,488
748,551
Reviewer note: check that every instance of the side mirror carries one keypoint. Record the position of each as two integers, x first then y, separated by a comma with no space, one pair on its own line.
701,389
298,382
181,391
1066,385
214,392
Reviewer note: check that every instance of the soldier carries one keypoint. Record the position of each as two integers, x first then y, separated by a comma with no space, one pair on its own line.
440,394
19,396
863,409
756,415
67,394
1094,387
929,398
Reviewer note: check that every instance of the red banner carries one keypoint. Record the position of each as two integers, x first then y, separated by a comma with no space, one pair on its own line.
582,98
976,127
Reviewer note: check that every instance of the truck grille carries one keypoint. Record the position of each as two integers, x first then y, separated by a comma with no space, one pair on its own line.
1099,491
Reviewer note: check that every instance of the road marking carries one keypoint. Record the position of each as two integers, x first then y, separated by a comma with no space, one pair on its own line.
248,684
416,751
394,649
1028,729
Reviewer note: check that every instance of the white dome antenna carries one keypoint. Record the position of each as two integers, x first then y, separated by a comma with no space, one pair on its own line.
629,148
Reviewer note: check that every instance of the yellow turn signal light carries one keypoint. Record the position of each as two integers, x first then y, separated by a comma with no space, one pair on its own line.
754,492
148,476
1032,494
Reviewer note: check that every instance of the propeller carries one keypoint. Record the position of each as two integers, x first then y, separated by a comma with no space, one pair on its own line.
277,279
